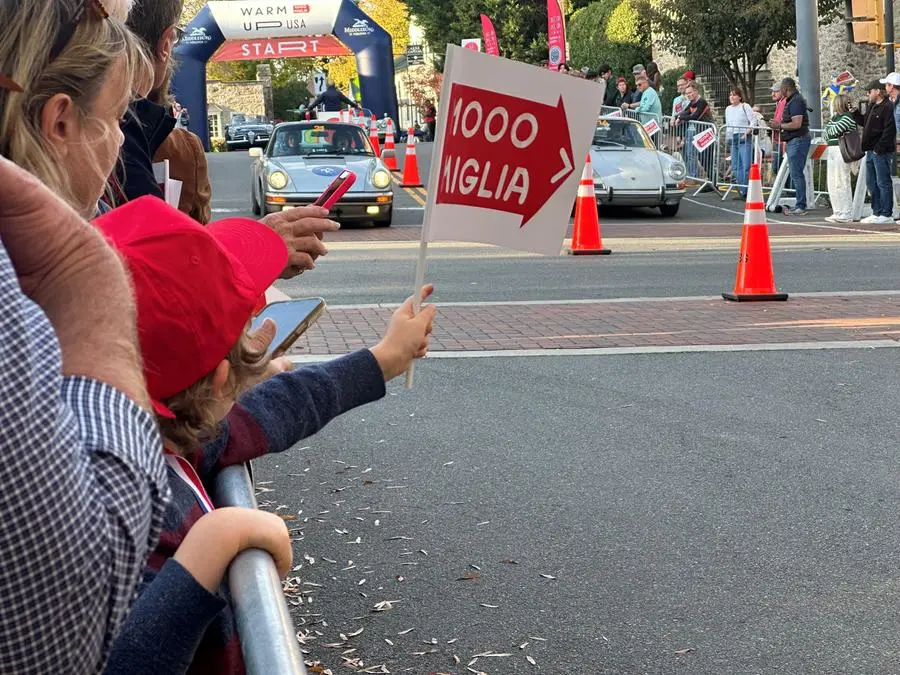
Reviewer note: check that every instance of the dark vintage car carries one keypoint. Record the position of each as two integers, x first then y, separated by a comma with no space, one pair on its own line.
304,157
247,131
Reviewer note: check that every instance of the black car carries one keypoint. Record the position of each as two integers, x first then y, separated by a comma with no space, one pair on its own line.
247,131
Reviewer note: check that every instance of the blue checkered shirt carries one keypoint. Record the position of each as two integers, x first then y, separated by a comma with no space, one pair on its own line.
83,489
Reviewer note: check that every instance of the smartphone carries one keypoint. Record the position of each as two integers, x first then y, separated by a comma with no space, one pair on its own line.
292,318
336,189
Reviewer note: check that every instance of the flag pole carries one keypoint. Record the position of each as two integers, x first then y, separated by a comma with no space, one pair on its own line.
433,175
420,281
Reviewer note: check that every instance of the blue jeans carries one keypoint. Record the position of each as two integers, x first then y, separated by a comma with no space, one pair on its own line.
878,180
797,154
690,152
741,152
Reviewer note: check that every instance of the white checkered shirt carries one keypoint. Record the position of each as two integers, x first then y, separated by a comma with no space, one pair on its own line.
82,495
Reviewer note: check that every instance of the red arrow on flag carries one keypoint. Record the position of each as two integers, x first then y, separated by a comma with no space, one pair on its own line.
502,152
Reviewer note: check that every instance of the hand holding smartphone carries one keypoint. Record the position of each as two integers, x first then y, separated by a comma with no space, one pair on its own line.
292,318
336,189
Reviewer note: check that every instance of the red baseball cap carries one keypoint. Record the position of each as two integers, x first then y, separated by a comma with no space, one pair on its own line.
196,287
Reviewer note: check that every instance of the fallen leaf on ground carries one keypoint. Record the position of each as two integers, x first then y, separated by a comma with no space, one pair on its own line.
682,652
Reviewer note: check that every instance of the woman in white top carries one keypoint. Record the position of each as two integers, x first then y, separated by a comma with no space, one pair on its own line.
740,121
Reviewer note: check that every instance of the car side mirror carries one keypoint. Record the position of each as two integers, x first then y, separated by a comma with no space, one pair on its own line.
256,152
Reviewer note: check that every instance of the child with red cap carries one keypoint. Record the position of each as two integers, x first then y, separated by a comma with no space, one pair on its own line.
196,288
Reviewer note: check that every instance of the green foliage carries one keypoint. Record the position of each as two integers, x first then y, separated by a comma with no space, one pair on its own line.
732,35
609,31
670,88
521,25
289,96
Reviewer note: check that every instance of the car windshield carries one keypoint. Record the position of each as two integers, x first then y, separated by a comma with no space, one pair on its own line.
619,133
248,119
319,139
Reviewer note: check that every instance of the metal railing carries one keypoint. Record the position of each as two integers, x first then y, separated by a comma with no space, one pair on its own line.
677,139
268,640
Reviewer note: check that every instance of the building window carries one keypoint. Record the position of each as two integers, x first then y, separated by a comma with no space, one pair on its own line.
215,130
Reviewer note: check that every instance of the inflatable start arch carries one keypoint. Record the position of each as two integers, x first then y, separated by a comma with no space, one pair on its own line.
223,20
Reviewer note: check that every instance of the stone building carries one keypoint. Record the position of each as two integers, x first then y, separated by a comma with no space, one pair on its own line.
253,97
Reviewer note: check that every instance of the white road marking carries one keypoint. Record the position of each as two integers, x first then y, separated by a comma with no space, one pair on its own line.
792,222
610,301
625,351
218,210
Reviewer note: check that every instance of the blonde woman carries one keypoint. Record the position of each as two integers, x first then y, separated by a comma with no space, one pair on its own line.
839,192
64,95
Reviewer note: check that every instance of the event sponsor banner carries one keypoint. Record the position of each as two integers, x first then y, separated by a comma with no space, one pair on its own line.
238,19
556,34
490,36
270,48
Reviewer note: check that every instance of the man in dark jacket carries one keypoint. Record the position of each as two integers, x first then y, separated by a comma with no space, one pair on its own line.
878,140
333,99
794,127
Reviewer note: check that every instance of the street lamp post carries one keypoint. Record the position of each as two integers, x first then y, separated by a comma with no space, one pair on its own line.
808,57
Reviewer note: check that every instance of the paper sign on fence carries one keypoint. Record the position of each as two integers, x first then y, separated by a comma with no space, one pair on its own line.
651,127
704,139
615,113
509,153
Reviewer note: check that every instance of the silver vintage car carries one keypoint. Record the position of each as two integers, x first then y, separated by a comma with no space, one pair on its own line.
630,171
302,158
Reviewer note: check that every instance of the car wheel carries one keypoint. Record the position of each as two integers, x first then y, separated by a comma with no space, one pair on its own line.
669,210
254,205
386,221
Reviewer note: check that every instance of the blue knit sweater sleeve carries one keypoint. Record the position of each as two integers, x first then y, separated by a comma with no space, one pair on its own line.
275,415
165,626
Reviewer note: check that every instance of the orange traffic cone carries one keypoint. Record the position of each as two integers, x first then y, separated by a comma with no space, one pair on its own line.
411,164
373,137
389,153
586,233
755,279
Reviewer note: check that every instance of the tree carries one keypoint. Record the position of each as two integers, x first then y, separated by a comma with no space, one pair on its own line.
393,16
521,25
609,31
733,36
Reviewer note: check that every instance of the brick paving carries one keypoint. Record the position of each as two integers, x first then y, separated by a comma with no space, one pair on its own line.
623,324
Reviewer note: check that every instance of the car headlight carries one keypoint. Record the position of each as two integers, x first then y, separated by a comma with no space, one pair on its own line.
381,179
677,171
278,179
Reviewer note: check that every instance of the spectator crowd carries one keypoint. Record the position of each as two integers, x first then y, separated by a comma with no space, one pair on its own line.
129,377
865,131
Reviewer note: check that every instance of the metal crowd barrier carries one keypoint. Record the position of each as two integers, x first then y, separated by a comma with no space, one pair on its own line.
268,640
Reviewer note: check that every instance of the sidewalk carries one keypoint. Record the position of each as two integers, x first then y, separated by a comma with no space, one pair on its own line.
622,323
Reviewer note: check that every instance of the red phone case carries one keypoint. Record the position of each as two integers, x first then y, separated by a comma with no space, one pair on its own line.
346,183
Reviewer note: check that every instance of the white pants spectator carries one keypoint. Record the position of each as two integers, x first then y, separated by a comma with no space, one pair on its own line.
839,191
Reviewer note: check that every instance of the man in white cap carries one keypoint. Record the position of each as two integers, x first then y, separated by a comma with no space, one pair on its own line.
892,85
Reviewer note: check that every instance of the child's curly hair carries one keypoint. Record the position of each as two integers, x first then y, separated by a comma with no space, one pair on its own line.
195,408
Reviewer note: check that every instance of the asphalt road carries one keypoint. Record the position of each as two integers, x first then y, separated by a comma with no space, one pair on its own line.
701,513
383,272
378,275
742,507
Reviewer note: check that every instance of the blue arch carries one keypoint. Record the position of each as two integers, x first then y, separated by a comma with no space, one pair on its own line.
371,44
